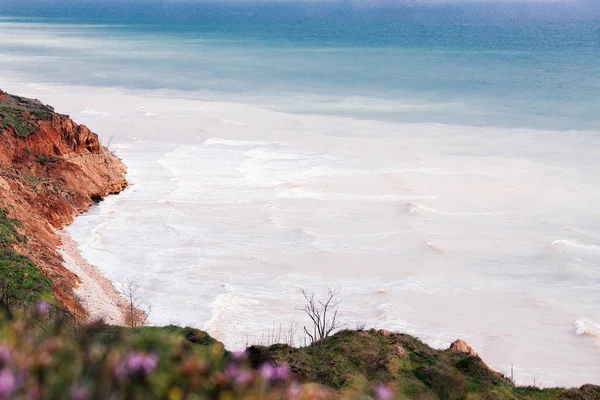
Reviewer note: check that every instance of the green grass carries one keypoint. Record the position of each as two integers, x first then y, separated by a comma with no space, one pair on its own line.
20,280
8,230
22,119
146,335
43,158
358,360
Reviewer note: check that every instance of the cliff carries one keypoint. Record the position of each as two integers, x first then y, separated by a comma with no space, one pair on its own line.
51,169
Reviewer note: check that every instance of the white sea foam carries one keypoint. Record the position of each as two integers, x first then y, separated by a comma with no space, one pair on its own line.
566,244
302,193
223,307
414,208
95,113
39,88
586,327
244,143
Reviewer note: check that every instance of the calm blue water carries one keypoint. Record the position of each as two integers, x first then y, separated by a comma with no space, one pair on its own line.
505,65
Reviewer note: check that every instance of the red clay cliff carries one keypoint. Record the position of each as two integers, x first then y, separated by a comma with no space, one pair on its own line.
51,170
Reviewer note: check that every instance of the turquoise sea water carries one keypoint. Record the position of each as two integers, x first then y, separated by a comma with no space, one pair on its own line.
435,162
533,65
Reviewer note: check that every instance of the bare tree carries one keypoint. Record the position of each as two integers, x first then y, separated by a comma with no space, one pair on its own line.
324,314
109,140
137,311
290,334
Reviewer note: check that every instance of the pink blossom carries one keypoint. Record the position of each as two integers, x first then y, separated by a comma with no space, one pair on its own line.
136,363
43,307
243,377
140,362
273,373
383,392
7,383
232,370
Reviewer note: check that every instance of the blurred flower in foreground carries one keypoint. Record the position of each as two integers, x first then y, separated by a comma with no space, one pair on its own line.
383,392
274,373
7,383
43,307
136,363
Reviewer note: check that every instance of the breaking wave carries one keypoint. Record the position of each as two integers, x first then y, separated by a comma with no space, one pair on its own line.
585,327
565,244
213,141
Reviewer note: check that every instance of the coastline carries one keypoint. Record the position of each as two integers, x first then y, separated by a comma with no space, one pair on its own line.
101,115
96,293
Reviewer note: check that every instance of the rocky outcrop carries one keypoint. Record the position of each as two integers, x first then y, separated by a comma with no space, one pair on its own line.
460,346
51,169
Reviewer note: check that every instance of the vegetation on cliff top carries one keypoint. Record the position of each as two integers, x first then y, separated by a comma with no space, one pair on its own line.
21,283
21,114
45,356
361,360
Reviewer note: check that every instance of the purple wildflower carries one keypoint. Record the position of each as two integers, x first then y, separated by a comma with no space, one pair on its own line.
273,373
383,392
281,373
266,371
79,393
149,363
136,363
42,307
243,377
232,370
7,383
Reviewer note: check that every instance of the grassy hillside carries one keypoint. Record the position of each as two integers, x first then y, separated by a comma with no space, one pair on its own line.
361,360
43,355
20,280
21,114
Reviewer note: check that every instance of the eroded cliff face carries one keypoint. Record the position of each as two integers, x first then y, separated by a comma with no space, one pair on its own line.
51,169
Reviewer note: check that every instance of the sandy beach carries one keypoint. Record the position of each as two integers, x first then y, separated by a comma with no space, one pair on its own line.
96,293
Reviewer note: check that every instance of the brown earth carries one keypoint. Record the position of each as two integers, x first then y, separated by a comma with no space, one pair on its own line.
51,171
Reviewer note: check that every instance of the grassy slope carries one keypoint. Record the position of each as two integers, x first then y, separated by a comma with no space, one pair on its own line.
21,115
360,359
20,280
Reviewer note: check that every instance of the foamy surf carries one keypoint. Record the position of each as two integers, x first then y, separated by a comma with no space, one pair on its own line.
568,244
414,208
586,327
240,143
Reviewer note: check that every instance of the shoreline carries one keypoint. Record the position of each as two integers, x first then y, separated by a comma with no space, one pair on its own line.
101,303
96,293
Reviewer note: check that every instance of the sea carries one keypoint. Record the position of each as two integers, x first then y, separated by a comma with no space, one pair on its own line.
437,163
